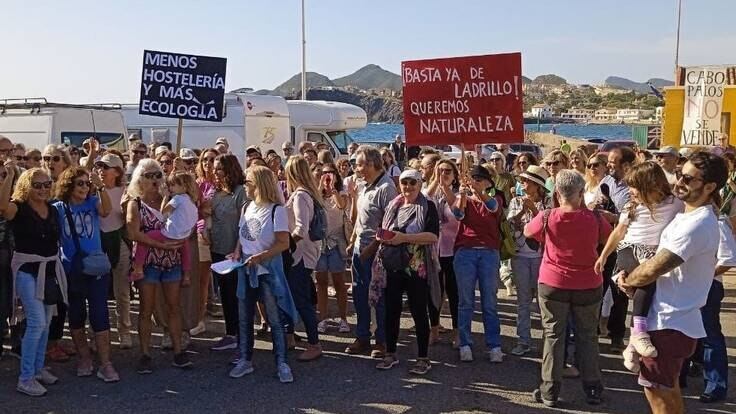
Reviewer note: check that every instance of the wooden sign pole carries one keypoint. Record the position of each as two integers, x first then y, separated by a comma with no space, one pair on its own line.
178,135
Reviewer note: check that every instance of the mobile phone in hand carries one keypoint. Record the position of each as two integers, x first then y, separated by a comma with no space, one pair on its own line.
384,234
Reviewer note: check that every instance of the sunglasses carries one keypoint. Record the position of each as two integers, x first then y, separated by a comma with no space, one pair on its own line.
550,163
166,162
686,179
102,166
593,165
409,181
21,158
154,175
55,158
140,152
41,184
496,159
5,151
83,183
189,162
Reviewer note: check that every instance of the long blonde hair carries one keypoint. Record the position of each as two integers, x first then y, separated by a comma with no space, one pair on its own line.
267,188
591,181
24,184
299,175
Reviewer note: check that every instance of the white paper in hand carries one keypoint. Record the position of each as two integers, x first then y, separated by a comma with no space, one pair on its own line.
225,266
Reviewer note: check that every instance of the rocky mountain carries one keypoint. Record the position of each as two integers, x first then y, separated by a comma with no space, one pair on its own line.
371,77
293,86
378,108
525,80
550,79
640,87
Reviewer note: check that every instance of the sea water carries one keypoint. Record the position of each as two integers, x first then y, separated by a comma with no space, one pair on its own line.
387,132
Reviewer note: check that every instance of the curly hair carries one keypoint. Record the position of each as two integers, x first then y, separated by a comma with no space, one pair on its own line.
145,165
23,185
187,181
199,169
233,173
65,184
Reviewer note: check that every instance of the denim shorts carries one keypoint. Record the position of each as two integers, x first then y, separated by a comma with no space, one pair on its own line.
152,274
331,261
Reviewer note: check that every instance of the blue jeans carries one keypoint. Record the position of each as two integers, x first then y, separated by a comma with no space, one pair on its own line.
246,310
361,282
481,266
38,319
715,358
302,290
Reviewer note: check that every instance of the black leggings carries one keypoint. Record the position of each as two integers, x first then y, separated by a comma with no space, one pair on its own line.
626,259
228,285
417,291
56,329
447,285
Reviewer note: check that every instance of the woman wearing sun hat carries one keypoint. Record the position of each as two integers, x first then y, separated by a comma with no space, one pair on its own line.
525,264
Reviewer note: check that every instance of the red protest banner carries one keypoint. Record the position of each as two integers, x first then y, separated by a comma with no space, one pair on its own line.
463,100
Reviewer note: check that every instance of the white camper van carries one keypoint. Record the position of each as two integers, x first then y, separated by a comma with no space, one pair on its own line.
248,120
35,122
324,121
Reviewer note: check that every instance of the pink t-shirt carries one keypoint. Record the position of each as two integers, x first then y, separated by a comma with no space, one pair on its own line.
570,250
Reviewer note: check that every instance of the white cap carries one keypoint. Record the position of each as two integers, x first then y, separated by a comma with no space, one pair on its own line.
411,173
187,154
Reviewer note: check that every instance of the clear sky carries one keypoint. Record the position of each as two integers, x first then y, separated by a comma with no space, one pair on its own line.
91,51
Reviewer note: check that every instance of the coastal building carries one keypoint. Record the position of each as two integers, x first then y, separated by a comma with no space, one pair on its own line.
605,114
579,114
607,90
633,114
658,113
541,111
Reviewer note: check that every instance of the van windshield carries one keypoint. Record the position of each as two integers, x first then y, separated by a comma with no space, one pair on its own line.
341,139
109,139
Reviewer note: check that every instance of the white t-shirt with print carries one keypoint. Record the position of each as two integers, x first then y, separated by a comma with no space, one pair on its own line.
257,227
683,291
644,229
182,220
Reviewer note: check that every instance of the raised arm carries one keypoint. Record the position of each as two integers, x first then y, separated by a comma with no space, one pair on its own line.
8,209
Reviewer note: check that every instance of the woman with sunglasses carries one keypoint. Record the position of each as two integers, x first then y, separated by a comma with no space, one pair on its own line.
595,171
166,160
33,158
206,181
525,264
74,155
55,160
504,180
443,192
19,154
35,258
302,205
162,265
521,163
83,199
407,261
227,204
332,257
555,162
110,169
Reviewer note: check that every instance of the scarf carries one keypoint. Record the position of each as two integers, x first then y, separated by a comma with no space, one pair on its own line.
428,254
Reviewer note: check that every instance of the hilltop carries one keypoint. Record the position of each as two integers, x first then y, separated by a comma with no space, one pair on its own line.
640,87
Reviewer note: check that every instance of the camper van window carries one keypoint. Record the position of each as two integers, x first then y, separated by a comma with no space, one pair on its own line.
341,139
109,139
314,137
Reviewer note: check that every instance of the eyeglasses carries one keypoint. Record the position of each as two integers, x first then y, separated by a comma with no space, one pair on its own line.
154,175
686,179
166,162
593,165
103,166
55,158
551,163
83,183
409,181
37,185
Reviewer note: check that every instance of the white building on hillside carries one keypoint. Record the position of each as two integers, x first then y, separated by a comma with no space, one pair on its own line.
605,114
578,114
633,114
541,111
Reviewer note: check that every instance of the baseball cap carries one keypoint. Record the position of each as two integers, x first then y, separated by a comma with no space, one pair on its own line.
481,172
252,149
159,150
411,173
187,154
666,150
222,140
111,160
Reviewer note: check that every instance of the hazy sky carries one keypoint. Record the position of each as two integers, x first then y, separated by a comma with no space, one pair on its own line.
91,51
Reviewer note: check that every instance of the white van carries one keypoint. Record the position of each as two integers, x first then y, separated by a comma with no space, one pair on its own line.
35,123
248,120
325,121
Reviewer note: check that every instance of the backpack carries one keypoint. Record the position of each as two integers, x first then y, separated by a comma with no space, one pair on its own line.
318,223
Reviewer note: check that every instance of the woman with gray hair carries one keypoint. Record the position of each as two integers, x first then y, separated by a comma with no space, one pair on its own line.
568,284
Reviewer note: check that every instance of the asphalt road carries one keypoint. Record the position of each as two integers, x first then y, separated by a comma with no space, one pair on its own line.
339,383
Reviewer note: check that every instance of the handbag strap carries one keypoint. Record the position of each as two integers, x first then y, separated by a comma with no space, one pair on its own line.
72,227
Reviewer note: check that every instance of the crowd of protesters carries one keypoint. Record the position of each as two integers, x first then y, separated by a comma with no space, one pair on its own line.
581,232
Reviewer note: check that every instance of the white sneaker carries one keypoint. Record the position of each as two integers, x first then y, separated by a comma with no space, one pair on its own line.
643,345
199,329
46,377
31,387
242,368
322,326
631,359
344,326
496,355
126,341
466,354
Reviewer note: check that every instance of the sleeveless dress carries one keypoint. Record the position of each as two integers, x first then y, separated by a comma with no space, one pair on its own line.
152,219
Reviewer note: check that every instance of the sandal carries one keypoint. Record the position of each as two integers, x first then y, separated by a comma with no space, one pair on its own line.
85,368
421,367
389,361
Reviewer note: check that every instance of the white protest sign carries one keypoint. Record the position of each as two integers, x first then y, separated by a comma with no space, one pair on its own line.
703,105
